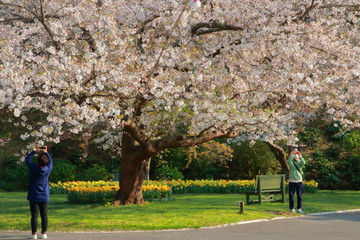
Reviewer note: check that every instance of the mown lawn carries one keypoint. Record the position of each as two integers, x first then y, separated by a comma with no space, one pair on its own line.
185,211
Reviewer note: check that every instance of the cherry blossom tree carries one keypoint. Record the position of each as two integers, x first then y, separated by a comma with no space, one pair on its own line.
153,75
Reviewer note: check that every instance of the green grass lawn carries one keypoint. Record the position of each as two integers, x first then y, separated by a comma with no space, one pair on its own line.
185,211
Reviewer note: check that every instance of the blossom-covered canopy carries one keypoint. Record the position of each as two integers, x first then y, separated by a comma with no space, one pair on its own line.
159,68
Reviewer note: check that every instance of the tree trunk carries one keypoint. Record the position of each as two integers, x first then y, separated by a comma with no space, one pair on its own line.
147,169
135,158
84,146
133,168
131,180
280,155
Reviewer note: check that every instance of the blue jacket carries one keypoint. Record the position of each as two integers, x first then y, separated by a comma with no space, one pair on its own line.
39,189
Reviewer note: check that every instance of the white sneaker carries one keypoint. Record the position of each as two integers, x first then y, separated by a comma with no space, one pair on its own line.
300,211
32,237
44,236
293,210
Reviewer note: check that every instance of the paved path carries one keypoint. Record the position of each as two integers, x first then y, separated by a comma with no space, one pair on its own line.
339,226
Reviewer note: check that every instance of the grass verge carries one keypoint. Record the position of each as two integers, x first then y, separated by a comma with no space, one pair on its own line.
186,211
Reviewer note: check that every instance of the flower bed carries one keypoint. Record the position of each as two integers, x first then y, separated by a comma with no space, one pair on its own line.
309,186
222,186
210,186
63,187
89,194
100,191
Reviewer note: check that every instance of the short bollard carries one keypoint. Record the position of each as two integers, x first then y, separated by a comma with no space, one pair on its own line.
241,205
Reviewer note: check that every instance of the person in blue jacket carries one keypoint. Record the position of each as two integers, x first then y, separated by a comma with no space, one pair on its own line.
39,189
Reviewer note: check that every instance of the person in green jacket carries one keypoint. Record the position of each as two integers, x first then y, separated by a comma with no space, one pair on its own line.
296,162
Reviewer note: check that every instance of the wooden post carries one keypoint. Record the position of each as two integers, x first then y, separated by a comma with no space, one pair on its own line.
241,205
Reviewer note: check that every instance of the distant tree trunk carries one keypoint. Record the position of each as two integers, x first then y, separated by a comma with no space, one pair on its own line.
281,156
84,146
147,169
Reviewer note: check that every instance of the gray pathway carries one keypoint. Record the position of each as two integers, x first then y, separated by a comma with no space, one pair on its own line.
340,226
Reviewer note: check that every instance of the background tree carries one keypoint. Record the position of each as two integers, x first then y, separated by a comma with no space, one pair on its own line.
350,165
252,158
333,159
154,75
209,160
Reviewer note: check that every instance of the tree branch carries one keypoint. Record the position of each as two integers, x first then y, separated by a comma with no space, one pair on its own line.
142,29
258,91
47,28
139,104
173,141
218,51
92,76
89,39
78,99
211,27
20,18
322,50
40,17
280,155
308,10
183,141
135,132
340,6
19,6
149,75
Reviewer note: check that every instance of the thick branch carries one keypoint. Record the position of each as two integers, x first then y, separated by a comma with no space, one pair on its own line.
211,27
135,132
142,29
20,18
79,99
139,104
280,155
174,141
183,141
89,39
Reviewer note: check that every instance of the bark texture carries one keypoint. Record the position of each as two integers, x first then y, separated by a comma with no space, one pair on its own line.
132,173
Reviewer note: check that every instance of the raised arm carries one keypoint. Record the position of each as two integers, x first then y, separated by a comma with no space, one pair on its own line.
50,164
28,161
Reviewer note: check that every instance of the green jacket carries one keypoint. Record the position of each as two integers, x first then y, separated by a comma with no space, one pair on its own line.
294,173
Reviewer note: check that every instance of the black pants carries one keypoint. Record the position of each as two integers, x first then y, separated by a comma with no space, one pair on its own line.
298,188
35,208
